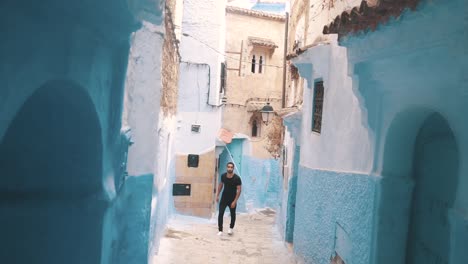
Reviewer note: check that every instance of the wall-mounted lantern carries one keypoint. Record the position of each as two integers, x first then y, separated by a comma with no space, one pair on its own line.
267,113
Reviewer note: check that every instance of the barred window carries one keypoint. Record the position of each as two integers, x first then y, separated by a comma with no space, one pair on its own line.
317,107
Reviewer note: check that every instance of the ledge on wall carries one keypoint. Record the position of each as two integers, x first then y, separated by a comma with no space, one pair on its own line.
255,13
261,42
321,40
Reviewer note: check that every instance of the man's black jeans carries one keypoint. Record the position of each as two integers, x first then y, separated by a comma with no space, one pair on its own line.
222,208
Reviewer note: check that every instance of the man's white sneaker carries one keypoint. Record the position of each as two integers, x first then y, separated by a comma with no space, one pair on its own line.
230,232
220,233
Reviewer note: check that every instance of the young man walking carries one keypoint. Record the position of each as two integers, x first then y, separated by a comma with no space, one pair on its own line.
231,185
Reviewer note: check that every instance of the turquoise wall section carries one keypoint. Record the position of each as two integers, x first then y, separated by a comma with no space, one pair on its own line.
408,70
404,72
292,196
133,215
163,208
48,168
262,183
334,212
63,194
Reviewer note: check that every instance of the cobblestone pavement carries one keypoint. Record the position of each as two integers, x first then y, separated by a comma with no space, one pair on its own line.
256,240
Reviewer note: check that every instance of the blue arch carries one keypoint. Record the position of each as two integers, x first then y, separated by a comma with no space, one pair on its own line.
51,180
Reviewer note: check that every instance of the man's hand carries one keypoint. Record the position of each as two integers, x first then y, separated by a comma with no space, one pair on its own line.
233,204
217,198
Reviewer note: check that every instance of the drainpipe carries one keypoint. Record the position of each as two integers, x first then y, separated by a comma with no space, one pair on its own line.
283,99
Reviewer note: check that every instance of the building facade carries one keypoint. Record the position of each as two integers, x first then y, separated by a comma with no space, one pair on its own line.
199,104
254,76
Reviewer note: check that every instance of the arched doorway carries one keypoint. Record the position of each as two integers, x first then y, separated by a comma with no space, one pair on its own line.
51,162
435,170
417,188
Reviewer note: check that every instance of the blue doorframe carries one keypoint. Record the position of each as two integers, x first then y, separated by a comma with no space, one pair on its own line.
233,153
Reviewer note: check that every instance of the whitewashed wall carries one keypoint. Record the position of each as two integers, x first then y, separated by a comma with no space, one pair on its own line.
344,143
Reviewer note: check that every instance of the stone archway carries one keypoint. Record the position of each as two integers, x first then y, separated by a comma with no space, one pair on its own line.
51,179
435,172
419,178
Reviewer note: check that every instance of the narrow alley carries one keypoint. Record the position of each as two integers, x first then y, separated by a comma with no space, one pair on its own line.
193,240
334,130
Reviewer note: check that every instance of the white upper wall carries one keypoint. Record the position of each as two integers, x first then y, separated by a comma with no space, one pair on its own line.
321,15
201,49
189,142
193,109
203,39
179,9
142,98
344,143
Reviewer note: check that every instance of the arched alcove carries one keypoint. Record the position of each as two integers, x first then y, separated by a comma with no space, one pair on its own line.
435,172
399,142
255,123
418,188
51,160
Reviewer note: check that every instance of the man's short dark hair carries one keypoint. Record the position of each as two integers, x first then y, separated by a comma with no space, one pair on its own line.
232,163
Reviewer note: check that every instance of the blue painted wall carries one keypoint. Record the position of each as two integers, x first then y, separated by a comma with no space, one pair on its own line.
63,198
329,201
48,173
292,194
409,70
163,208
261,179
401,74
133,216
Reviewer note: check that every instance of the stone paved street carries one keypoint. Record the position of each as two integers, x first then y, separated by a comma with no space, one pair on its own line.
194,241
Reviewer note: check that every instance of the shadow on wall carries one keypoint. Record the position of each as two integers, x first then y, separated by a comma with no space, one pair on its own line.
413,225
51,158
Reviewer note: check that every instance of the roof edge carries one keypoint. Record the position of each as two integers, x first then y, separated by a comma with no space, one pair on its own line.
254,13
368,16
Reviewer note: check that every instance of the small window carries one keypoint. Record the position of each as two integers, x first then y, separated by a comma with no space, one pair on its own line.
317,107
260,64
254,129
253,64
192,160
223,78
196,128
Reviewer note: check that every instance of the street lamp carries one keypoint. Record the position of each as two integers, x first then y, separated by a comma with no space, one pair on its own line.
267,113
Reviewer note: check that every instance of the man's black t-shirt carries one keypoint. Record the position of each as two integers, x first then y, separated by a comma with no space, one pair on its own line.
230,187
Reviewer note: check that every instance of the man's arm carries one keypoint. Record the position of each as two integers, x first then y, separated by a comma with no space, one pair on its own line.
220,187
239,189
